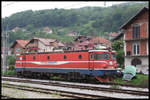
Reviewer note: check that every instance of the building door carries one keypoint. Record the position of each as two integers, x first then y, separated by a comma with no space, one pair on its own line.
136,61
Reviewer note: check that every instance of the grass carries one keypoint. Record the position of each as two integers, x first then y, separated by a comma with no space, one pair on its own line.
115,87
9,72
57,78
55,94
140,80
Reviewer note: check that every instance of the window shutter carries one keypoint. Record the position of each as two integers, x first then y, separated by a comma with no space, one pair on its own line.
138,31
138,49
134,32
134,49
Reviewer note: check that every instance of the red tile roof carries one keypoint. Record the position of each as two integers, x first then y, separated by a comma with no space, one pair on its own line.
22,43
46,41
113,34
101,40
134,17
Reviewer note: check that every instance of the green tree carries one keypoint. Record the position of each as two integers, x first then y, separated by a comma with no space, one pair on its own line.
11,60
118,47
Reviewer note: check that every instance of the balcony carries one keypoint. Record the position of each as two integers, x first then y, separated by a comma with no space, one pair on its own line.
137,39
139,55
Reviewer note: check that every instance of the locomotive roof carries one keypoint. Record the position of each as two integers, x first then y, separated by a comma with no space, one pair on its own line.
96,50
66,51
57,52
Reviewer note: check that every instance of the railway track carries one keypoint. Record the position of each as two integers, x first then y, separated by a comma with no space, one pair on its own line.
104,83
6,97
51,91
83,86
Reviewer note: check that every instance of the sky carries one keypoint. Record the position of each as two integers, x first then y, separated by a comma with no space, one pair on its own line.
9,8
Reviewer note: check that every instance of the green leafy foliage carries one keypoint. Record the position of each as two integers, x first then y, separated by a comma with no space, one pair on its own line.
9,72
140,80
118,47
93,21
11,60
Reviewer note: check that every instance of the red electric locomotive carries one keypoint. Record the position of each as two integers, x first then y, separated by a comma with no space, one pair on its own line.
100,64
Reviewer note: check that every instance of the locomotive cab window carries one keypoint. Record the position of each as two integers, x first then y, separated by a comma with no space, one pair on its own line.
113,56
102,56
106,55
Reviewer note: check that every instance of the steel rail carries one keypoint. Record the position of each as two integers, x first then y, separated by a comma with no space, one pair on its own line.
133,92
50,91
105,83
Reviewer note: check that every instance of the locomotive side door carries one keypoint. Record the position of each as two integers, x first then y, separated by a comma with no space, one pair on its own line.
23,62
91,61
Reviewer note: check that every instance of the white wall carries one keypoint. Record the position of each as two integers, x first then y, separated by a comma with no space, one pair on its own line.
145,63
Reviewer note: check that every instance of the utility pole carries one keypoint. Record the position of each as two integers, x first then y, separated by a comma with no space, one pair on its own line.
5,50
5,38
104,3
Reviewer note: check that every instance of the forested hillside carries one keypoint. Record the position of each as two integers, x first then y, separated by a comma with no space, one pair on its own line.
92,21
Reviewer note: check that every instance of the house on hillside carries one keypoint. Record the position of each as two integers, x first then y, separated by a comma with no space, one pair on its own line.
72,34
112,35
88,43
18,46
43,45
18,28
101,43
82,43
47,30
69,46
58,46
118,37
136,36
15,29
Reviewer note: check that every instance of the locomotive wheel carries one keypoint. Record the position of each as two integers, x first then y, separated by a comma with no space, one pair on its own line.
100,79
111,78
19,74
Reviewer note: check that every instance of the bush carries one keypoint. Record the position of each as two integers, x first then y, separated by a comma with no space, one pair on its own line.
11,60
11,67
118,47
120,57
9,72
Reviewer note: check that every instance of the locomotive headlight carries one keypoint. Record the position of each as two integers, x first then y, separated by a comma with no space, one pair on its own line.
110,63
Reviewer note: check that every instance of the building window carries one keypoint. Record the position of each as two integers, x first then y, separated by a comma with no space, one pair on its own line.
136,31
18,50
136,48
136,61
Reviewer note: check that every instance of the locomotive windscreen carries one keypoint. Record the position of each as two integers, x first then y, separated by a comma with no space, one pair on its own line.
102,56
